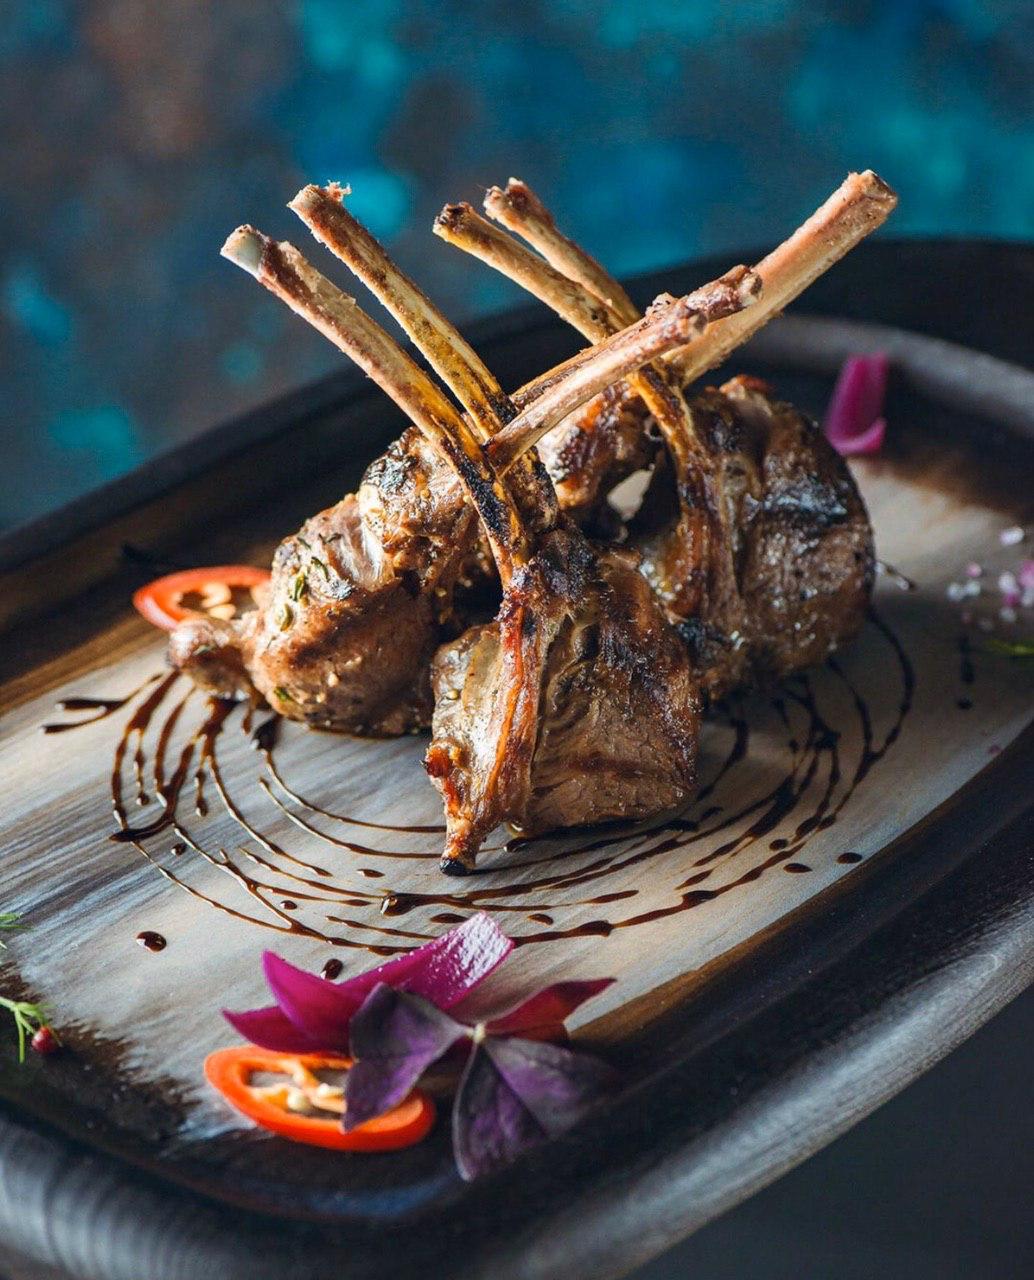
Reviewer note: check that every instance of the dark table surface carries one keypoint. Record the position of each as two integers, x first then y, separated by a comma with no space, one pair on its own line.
934,1186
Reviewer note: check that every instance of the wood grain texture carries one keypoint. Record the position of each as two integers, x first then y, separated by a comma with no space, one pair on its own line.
697,988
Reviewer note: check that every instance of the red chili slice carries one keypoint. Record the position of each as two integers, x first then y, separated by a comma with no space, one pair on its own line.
161,601
230,1071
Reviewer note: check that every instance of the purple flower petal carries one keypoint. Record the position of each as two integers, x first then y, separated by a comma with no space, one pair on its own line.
491,1126
558,1086
444,970
451,966
854,422
543,1014
269,1028
320,1009
516,1093
395,1037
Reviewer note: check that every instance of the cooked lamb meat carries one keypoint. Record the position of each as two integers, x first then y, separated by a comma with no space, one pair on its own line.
791,568
360,598
577,705
319,650
358,602
362,595
752,531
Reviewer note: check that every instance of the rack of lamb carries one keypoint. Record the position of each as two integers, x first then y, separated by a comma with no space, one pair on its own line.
766,568
751,531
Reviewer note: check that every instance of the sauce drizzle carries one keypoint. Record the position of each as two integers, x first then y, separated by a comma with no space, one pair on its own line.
719,837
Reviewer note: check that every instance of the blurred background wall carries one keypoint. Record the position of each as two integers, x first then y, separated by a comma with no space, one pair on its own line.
137,133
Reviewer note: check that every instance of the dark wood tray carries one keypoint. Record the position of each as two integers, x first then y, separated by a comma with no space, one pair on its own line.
735,1072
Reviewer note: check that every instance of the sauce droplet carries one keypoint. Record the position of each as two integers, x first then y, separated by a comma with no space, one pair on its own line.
151,941
798,868
848,858
332,969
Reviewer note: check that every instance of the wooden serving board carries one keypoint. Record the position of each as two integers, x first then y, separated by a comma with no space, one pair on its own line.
324,848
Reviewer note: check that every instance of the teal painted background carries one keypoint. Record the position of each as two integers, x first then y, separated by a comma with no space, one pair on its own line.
138,133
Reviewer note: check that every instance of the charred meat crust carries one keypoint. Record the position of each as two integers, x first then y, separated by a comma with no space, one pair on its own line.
578,705
791,573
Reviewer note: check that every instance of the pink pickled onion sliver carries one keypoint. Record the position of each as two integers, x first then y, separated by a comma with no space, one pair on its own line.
854,420
313,1013
547,1009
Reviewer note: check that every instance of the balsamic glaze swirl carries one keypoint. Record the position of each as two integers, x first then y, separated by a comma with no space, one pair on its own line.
291,894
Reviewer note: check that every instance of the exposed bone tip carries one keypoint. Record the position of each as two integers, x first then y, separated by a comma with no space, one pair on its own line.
455,865
246,248
873,186
450,217
313,198
307,199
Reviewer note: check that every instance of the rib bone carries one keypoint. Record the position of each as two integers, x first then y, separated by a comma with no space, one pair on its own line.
462,226
520,210
572,296
285,272
666,327
452,358
858,206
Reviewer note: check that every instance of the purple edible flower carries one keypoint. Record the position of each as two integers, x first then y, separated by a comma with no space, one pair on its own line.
854,422
515,1092
313,1014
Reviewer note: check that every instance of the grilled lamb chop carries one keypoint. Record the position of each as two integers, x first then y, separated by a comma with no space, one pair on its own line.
363,594
791,570
360,598
358,602
577,705
354,613
752,531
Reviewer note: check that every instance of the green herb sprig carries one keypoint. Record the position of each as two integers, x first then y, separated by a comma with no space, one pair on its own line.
9,921
28,1018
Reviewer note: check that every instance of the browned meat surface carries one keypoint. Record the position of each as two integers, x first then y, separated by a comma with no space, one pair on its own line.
364,593
577,705
791,565
589,455
359,599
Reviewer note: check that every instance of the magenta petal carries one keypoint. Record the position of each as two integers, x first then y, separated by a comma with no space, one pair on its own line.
452,966
854,422
443,970
870,441
547,1008
269,1028
320,1009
